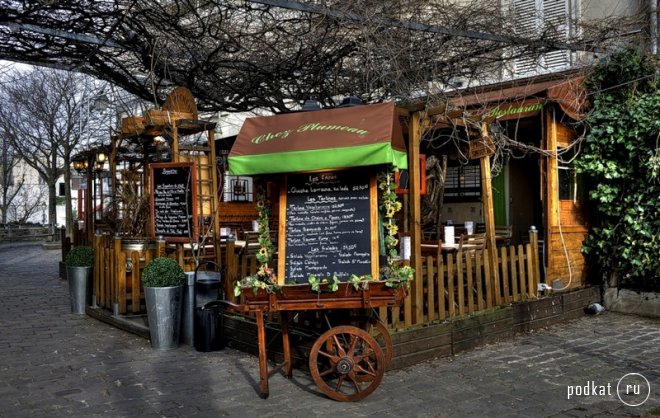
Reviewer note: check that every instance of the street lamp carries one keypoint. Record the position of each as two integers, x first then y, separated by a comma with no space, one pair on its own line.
100,160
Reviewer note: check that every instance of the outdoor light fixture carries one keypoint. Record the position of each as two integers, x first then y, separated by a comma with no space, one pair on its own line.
80,164
100,161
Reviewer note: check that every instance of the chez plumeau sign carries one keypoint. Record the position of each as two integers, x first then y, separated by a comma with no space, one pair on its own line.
306,128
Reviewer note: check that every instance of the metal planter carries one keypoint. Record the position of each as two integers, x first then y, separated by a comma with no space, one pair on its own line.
80,288
164,305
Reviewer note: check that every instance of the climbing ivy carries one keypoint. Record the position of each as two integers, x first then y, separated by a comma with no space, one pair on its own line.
620,158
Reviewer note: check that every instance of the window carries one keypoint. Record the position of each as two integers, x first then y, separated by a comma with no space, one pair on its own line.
570,183
463,183
60,188
535,17
237,189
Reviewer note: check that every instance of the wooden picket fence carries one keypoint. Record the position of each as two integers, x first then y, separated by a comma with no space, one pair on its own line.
459,284
455,284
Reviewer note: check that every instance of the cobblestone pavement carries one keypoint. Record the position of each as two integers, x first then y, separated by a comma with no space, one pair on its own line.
54,363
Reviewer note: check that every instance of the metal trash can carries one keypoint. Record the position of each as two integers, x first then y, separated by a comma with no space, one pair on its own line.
207,285
188,309
208,327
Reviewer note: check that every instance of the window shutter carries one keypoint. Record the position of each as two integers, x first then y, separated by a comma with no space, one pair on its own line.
533,17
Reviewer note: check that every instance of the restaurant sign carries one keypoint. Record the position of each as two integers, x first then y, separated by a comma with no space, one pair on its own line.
517,110
308,127
330,139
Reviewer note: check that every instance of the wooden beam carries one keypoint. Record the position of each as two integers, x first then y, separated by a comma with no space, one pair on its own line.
489,214
414,141
551,184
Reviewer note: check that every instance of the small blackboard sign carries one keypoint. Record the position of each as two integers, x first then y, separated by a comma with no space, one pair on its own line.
173,201
329,225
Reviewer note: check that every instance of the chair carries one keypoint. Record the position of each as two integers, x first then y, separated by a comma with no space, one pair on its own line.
471,242
503,234
251,242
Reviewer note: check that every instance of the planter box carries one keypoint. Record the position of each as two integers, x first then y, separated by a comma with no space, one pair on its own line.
132,125
155,117
302,297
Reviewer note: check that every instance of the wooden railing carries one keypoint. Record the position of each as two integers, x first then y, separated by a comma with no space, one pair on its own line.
465,283
455,284
117,285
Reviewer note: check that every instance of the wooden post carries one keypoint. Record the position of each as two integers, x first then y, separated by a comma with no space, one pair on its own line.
231,269
215,204
414,141
98,265
118,280
489,215
552,187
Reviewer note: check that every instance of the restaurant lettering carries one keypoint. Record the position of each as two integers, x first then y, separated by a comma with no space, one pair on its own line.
308,127
498,112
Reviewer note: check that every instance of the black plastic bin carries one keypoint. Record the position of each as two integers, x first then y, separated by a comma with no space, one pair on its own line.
208,327
208,284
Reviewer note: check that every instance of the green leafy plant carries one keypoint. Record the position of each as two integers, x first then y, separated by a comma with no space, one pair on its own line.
264,279
395,274
163,272
620,158
359,282
315,283
80,256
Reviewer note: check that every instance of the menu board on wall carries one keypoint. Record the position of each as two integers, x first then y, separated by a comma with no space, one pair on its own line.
329,222
173,201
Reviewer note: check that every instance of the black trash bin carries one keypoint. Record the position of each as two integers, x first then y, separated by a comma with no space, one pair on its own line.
208,284
208,327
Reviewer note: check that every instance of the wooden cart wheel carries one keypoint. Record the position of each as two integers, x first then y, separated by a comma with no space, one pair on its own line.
346,363
378,331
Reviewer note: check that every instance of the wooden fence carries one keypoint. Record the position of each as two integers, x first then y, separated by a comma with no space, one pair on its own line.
457,284
454,284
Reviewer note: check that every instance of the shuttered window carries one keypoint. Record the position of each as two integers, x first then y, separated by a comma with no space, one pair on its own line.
533,18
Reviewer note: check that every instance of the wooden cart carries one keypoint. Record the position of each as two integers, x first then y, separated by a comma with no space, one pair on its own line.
346,362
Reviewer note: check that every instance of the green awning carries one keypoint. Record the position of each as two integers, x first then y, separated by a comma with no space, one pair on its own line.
319,140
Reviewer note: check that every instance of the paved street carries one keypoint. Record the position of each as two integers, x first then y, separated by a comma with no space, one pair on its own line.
54,363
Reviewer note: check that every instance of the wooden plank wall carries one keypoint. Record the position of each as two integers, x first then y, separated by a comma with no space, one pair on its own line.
566,262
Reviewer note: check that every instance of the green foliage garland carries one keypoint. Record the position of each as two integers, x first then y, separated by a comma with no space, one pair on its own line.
620,157
395,274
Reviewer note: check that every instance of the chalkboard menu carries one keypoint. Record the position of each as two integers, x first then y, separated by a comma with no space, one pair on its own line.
329,220
173,201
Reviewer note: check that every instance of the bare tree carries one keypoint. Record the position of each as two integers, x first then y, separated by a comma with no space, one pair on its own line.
10,184
238,55
45,116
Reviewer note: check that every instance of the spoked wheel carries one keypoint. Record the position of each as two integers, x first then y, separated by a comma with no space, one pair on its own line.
378,331
346,363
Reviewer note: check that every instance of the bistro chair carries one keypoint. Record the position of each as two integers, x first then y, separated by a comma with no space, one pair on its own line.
503,235
471,242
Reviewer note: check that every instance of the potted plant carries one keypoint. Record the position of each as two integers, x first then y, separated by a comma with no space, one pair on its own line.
163,280
79,262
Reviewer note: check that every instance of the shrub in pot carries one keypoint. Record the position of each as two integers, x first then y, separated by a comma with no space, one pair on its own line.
163,280
79,264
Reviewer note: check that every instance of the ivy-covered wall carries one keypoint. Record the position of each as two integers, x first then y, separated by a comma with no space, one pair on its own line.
620,156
